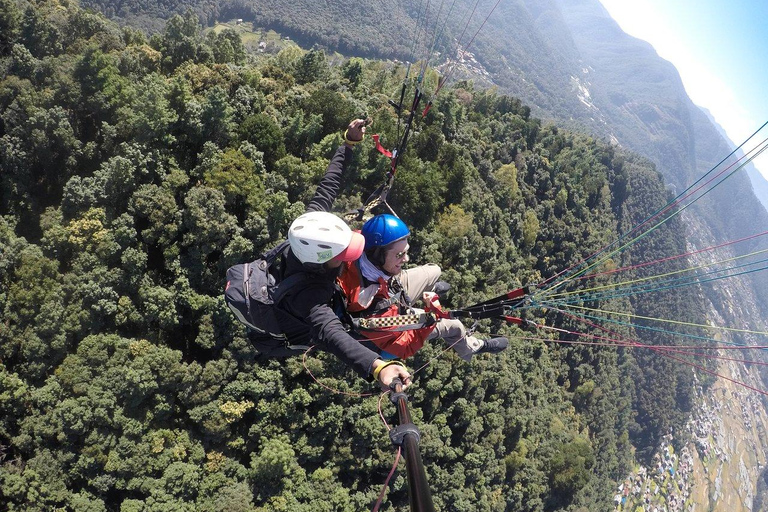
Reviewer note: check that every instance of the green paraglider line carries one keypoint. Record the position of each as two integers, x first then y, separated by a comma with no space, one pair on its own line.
666,274
677,212
669,258
665,320
563,277
661,352
666,285
555,306
649,282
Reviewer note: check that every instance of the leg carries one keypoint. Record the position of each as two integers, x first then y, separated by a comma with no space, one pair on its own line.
419,279
455,335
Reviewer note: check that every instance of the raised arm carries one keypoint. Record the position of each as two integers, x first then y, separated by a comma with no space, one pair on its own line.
330,186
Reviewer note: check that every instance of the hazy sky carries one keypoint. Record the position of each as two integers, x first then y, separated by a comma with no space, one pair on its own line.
720,48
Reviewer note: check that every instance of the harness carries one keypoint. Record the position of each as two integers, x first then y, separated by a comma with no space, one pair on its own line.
372,320
499,307
386,299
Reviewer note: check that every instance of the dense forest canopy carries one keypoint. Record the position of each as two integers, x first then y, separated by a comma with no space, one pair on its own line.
566,59
135,170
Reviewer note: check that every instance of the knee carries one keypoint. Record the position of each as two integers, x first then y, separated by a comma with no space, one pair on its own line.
433,271
450,329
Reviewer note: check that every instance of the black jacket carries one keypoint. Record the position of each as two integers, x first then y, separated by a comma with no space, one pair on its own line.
317,300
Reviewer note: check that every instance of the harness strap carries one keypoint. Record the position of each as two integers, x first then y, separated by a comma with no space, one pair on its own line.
287,284
397,322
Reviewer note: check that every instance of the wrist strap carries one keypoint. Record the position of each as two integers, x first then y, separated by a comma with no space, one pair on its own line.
378,369
352,142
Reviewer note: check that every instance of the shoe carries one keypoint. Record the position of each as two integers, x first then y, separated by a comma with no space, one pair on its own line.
441,288
493,346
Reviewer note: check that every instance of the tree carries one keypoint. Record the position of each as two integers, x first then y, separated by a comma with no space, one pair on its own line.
311,67
531,228
569,470
104,89
181,40
148,117
235,176
216,116
262,131
208,229
300,176
227,46
38,34
10,22
353,71
157,210
301,132
335,109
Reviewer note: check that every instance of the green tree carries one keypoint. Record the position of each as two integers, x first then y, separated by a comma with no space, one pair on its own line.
235,176
227,46
148,117
104,89
158,211
38,34
531,228
353,72
216,116
262,131
10,23
181,41
335,109
311,67
298,175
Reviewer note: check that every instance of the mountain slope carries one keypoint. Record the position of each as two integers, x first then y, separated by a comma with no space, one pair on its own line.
759,183
133,172
568,60
589,75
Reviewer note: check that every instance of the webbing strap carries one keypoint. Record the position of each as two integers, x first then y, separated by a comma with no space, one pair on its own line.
288,284
397,322
520,293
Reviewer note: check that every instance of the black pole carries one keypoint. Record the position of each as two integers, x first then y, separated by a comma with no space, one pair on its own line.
407,436
407,131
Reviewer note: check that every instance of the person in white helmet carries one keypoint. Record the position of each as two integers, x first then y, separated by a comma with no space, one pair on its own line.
319,243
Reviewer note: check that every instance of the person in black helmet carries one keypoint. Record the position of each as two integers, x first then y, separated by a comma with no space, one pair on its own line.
376,285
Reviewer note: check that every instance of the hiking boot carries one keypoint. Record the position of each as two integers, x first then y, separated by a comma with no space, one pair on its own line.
493,346
441,288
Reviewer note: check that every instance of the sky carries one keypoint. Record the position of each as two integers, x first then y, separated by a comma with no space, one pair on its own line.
720,48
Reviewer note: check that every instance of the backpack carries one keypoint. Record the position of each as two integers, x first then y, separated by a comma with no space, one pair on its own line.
255,289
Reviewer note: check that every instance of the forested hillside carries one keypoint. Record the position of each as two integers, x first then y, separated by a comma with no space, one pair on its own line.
566,59
134,171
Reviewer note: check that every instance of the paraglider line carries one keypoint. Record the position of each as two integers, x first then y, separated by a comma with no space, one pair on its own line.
563,274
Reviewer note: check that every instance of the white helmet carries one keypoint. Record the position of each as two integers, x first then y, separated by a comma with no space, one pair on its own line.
317,237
